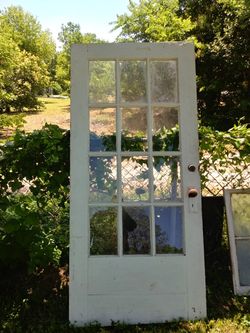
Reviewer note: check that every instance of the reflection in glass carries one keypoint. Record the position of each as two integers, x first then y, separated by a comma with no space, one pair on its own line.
168,230
165,117
102,179
164,81
101,82
102,129
241,213
135,181
133,81
134,129
165,129
136,230
103,230
167,180
243,256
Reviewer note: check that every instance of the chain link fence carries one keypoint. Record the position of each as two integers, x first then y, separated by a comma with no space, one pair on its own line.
217,176
224,159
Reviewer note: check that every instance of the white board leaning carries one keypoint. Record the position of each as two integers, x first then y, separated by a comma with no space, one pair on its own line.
136,243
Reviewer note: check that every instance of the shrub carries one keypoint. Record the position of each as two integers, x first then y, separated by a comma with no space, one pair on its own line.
34,205
34,192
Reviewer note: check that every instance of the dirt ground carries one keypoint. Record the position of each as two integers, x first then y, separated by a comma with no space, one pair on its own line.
38,120
57,111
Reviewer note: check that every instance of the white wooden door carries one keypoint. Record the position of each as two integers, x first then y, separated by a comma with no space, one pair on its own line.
136,245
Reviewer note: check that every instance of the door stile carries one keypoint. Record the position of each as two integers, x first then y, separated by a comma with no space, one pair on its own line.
189,148
78,200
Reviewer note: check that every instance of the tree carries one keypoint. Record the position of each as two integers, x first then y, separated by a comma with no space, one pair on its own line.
220,30
26,53
70,34
22,77
153,21
223,60
27,33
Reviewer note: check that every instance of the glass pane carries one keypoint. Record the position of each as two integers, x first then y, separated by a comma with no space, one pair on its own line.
102,179
166,129
164,81
136,230
102,82
103,230
168,230
134,129
133,81
243,255
135,178
102,129
241,213
167,180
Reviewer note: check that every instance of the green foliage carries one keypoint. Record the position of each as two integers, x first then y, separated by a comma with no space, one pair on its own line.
34,176
103,232
231,148
26,54
133,85
166,139
34,205
34,232
26,32
221,32
102,79
11,121
70,34
26,236
153,21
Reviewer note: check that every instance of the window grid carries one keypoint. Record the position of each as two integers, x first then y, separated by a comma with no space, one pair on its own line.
151,203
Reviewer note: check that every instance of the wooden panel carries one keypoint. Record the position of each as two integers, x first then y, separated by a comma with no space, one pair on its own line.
137,275
133,309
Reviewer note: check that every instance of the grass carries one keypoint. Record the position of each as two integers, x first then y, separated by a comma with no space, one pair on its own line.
55,104
55,111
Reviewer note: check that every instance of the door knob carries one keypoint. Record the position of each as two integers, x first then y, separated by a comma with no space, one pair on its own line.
192,193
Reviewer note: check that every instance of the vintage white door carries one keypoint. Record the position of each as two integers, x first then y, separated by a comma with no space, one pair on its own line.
136,244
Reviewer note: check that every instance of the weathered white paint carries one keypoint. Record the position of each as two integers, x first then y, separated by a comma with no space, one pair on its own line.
138,288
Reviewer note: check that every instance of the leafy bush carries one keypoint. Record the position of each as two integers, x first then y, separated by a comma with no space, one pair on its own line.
57,89
34,176
8,122
34,205
224,152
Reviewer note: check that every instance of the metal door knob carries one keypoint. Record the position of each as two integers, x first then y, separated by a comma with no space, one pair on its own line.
192,193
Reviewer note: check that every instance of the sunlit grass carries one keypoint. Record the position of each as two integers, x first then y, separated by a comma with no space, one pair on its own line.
55,111
55,104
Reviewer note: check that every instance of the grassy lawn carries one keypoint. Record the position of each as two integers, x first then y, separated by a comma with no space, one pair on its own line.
56,111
